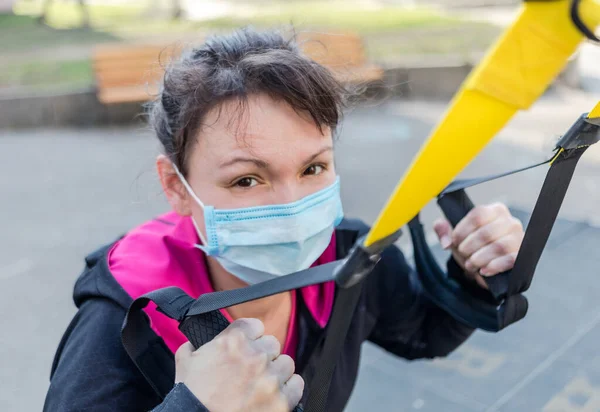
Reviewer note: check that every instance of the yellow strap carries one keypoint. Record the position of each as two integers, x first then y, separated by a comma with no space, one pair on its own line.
595,113
556,155
513,75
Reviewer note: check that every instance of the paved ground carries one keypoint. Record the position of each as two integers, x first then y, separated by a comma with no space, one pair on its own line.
67,191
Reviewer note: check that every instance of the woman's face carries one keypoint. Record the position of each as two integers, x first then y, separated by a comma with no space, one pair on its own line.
272,155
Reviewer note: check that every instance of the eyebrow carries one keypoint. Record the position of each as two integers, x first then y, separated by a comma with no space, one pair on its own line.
319,153
261,164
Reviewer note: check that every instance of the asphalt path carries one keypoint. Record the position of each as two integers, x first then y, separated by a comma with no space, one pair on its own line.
66,192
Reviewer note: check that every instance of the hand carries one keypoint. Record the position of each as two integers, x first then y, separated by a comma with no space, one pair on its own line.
485,242
240,370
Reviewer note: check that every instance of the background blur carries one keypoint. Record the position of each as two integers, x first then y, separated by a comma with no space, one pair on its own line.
77,172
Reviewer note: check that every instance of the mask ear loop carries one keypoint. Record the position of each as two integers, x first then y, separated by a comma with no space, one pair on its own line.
196,198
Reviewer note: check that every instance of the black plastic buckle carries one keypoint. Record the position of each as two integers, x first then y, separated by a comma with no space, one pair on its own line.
584,132
361,260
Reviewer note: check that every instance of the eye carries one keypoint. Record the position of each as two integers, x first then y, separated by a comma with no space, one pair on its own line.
314,170
246,182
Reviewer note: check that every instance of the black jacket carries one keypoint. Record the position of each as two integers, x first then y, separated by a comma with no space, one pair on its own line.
92,372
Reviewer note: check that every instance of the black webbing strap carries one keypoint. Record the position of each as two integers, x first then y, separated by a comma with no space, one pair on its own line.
459,184
507,305
337,329
213,301
144,347
542,219
576,18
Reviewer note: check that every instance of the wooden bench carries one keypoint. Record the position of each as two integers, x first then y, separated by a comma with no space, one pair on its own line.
343,53
131,73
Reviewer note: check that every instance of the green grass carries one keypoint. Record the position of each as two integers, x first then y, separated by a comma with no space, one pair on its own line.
339,15
65,15
21,34
463,41
42,74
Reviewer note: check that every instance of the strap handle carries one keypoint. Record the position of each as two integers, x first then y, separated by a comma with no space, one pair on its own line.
508,304
148,351
455,206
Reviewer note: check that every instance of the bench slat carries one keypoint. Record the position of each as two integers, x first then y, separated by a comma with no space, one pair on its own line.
123,65
132,77
132,51
127,94
360,75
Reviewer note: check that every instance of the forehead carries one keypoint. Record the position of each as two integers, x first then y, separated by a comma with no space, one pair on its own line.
260,126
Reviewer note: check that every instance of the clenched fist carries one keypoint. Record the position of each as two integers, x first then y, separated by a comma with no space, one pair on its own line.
485,242
240,370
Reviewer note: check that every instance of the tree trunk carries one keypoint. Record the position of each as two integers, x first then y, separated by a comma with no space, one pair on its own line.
177,11
85,15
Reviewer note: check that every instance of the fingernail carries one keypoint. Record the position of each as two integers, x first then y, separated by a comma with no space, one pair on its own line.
445,241
484,272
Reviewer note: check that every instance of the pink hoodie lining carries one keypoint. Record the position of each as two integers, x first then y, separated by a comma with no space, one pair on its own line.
161,253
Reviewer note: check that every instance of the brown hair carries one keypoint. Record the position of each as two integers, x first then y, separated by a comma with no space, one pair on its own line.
235,66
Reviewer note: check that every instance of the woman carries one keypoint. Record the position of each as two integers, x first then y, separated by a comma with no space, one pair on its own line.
246,124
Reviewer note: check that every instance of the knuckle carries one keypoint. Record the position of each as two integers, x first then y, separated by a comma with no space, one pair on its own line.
231,343
456,238
440,223
242,321
273,343
463,249
486,235
472,263
236,338
283,367
516,224
479,216
287,361
519,241
267,386
258,362
254,325
502,247
500,208
514,242
250,327
221,343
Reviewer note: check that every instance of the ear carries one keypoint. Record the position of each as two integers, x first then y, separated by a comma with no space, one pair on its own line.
176,193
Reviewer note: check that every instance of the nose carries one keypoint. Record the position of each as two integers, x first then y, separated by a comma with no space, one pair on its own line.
287,192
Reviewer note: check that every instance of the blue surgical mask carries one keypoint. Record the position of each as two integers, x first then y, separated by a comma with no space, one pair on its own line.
259,243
